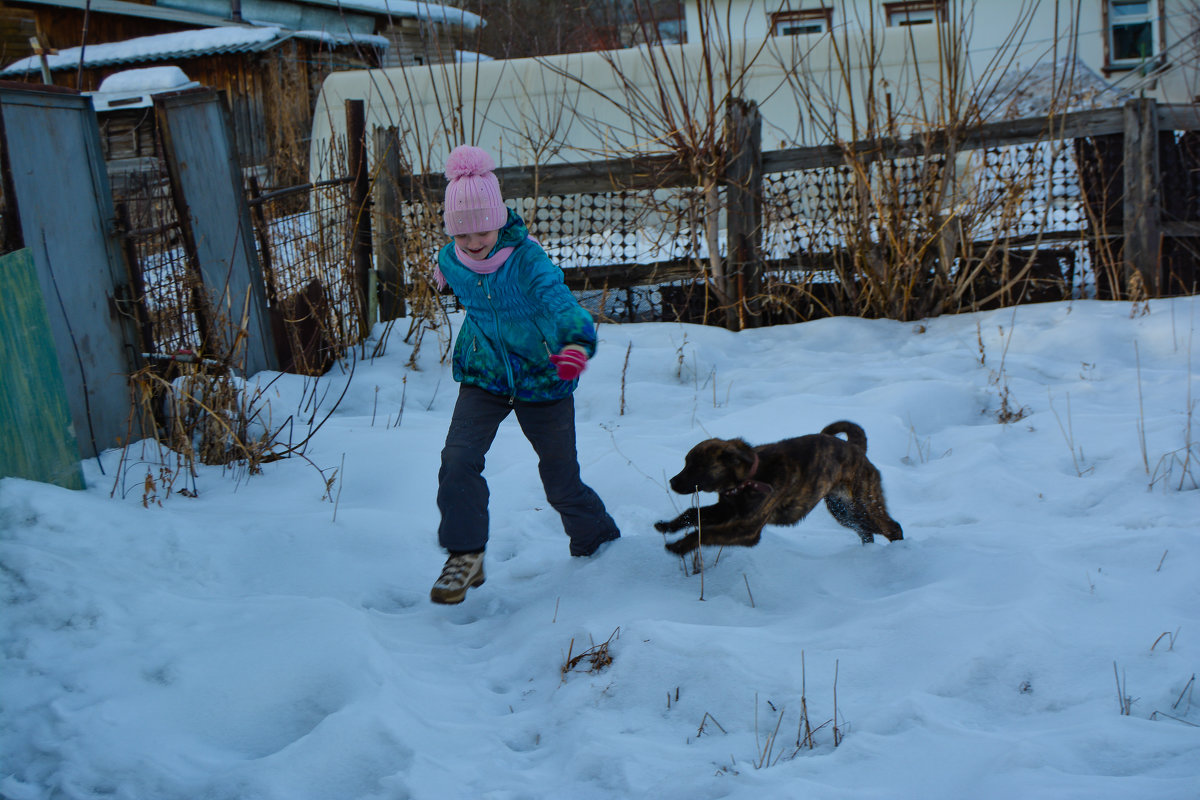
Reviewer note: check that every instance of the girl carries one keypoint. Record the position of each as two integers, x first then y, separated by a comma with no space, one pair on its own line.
523,344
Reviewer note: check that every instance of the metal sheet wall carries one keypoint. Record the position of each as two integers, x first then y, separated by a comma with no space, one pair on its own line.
63,198
207,186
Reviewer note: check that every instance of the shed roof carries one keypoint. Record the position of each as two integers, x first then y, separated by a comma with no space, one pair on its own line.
1047,87
412,9
416,9
137,10
180,45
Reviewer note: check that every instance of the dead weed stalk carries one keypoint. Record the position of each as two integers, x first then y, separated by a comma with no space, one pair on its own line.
198,412
597,657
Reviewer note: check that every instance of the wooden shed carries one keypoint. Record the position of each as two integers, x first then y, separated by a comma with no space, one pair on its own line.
269,76
271,71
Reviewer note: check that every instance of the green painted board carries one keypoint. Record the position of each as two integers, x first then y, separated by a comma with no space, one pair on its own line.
37,437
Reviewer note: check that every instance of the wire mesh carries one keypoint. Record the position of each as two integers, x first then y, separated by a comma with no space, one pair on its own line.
303,236
996,205
154,242
1038,216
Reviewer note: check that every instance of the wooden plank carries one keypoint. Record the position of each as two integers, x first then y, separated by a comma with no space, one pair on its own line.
667,172
1074,125
1179,117
612,175
358,221
620,276
1180,229
743,201
37,437
1141,210
390,232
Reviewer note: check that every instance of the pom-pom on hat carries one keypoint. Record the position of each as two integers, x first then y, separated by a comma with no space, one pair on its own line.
473,200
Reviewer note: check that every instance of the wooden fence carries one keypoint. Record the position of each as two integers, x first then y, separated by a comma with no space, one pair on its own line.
340,255
1124,216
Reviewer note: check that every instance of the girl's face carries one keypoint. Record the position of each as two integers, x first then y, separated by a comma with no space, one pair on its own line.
477,245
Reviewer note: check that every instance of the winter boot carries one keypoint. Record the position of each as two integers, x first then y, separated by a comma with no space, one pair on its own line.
461,572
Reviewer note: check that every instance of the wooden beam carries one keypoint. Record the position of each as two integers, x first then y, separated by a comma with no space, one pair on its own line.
1142,211
1179,117
621,276
359,215
645,173
743,201
390,233
593,177
1074,125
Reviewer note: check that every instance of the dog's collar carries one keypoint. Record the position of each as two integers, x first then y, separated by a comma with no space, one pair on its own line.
750,483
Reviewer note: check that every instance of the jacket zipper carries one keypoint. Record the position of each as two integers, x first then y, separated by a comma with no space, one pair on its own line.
486,285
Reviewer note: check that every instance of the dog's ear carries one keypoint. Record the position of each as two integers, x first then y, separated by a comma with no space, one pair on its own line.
743,450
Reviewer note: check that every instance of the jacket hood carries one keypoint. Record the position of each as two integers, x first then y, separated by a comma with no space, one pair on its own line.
513,233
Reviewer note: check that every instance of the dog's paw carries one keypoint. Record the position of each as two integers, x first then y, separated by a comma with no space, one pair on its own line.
664,526
681,547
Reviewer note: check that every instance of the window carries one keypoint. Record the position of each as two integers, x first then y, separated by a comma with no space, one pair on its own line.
915,12
1132,31
795,23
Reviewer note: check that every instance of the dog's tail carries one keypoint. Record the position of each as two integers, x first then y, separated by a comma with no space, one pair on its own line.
855,435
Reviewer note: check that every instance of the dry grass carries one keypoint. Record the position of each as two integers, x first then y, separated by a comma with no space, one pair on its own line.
196,411
595,659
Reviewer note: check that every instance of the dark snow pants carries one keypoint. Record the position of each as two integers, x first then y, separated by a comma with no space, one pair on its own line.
463,493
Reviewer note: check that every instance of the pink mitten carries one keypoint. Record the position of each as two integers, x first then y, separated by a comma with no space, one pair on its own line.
570,362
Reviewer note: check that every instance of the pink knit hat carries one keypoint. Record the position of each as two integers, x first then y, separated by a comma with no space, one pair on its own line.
473,201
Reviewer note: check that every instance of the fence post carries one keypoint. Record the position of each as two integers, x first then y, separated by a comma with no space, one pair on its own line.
744,200
359,214
387,209
1142,209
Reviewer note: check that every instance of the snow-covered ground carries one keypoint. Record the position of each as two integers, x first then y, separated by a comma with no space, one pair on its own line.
272,637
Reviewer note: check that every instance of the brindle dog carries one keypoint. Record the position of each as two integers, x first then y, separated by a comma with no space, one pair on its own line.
779,484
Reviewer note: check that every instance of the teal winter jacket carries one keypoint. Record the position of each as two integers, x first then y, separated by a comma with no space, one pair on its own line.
516,318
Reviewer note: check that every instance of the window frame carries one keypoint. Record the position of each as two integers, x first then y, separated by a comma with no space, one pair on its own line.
914,12
1154,16
823,15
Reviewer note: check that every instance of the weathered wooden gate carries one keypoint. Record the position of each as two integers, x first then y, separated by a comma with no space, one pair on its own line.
59,201
206,185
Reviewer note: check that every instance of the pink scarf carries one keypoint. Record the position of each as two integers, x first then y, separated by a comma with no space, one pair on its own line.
480,267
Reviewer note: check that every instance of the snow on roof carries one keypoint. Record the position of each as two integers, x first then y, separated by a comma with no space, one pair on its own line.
183,44
470,56
1068,85
346,37
145,79
135,9
409,8
133,88
396,8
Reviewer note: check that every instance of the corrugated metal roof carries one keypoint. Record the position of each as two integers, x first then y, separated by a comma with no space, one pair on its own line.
163,47
138,10
416,9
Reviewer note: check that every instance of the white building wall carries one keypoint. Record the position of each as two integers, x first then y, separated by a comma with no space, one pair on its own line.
1052,26
575,107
